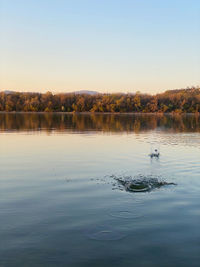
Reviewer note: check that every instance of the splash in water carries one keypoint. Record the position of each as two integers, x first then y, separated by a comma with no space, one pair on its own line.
141,183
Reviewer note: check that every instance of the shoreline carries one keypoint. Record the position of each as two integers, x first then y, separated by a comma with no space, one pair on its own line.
99,113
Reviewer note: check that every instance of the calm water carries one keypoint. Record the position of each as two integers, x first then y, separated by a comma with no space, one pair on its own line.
58,202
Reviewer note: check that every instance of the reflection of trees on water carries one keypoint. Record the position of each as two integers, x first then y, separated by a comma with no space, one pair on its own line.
98,122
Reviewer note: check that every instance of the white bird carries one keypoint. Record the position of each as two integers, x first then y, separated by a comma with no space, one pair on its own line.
155,154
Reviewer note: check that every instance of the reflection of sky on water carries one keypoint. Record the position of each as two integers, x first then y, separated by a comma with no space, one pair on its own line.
56,193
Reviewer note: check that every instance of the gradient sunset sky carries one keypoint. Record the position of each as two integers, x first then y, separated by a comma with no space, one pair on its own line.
101,45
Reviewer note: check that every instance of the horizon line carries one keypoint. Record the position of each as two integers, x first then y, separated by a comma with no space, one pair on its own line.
94,92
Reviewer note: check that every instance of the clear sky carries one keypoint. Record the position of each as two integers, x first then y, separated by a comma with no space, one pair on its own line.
102,45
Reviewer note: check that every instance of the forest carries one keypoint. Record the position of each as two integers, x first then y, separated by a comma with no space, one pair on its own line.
171,101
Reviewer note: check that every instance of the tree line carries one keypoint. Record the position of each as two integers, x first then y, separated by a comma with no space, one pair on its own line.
172,101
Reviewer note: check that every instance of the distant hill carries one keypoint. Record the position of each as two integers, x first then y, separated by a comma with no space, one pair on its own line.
8,92
81,92
192,90
86,92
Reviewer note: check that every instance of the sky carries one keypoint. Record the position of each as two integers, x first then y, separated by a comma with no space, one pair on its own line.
101,45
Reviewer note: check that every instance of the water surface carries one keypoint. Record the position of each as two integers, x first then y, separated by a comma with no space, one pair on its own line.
59,205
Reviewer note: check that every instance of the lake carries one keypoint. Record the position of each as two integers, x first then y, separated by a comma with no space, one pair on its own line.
60,204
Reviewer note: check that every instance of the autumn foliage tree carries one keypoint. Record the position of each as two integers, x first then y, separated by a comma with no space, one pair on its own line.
176,101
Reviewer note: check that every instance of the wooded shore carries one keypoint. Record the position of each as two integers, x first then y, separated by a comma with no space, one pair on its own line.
172,101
